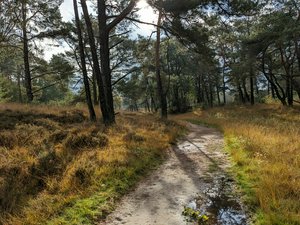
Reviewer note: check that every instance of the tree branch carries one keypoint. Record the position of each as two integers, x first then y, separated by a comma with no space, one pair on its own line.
123,14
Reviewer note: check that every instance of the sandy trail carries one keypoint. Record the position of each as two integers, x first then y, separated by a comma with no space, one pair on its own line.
195,167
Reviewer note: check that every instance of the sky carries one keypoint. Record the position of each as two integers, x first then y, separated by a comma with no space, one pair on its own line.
145,13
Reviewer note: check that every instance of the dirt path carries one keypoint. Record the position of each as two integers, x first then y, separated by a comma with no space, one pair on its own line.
194,176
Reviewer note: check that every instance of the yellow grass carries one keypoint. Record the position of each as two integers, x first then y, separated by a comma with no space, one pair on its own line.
57,168
264,143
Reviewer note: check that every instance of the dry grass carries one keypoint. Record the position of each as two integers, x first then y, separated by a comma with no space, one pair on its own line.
264,142
57,168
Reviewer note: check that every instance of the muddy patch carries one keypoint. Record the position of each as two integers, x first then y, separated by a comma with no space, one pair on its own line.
217,204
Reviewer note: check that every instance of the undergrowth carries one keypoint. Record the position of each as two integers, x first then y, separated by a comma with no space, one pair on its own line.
58,168
264,145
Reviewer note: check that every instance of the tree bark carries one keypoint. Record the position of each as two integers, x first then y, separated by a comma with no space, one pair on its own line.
83,65
95,85
275,86
241,95
288,78
99,76
19,85
251,86
160,90
224,86
28,84
245,91
104,30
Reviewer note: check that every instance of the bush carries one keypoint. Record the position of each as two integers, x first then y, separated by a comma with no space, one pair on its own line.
131,136
58,136
74,116
81,141
49,164
7,140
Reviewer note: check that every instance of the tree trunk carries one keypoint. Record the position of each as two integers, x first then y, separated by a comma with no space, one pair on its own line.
245,91
241,95
160,90
96,66
289,90
275,86
218,95
105,65
296,85
251,86
211,98
95,82
19,85
272,87
28,85
224,87
109,116
199,90
83,65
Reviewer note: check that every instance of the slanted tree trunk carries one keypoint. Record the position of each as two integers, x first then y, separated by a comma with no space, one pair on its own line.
83,65
275,86
100,81
218,94
94,83
272,87
160,90
28,85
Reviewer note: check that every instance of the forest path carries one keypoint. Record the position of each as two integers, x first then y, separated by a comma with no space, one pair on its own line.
193,176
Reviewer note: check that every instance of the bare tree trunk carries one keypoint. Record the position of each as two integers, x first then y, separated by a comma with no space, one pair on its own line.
83,65
211,94
161,94
28,85
95,82
275,86
245,91
296,85
241,95
289,87
218,94
105,65
224,87
19,85
99,76
251,86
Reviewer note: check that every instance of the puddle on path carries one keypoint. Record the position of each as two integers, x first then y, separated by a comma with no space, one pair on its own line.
219,203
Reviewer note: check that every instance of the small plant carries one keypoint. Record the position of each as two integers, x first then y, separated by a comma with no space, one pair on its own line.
195,215
76,142
131,136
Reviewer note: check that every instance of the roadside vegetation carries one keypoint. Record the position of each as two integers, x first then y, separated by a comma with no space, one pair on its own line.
264,145
56,167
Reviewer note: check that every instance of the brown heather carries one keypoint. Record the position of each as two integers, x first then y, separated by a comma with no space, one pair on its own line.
58,168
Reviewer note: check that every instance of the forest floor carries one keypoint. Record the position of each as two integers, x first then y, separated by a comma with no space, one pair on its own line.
191,187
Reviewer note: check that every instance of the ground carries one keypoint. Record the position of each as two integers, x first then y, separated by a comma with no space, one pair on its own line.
194,177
